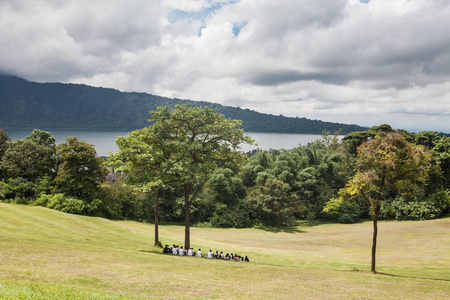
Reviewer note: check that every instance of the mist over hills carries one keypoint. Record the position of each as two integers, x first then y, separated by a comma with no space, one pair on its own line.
26,104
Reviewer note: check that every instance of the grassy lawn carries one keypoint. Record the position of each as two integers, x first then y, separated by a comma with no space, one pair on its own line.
45,254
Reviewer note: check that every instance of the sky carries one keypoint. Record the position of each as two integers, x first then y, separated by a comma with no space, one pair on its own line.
365,62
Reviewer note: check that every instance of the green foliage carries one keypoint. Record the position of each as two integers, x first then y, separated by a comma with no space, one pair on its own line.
441,152
81,171
67,204
234,217
432,207
17,190
273,202
28,160
348,212
414,210
122,201
189,155
56,105
42,138
388,167
428,139
4,139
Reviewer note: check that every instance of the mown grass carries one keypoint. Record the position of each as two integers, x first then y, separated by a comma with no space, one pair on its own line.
45,254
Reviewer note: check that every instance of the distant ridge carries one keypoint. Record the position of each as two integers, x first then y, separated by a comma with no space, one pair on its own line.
26,104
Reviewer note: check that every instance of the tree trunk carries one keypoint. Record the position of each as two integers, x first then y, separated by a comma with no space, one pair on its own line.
376,212
155,197
187,204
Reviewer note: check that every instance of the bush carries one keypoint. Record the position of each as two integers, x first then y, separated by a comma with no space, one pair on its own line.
67,204
415,210
16,190
231,218
348,212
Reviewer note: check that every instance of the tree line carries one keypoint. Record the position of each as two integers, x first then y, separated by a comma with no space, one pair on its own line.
219,186
187,167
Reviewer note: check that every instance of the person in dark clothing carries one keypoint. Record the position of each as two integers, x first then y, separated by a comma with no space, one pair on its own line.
166,249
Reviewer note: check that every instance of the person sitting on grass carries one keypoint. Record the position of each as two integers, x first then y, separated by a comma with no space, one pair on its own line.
190,252
175,250
227,257
166,249
246,259
210,254
181,251
199,253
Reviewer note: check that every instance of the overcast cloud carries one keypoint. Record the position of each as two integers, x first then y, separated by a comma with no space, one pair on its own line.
350,61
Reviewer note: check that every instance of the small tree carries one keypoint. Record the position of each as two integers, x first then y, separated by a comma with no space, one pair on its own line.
387,166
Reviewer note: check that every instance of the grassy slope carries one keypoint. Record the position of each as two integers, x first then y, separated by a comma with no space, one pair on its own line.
46,254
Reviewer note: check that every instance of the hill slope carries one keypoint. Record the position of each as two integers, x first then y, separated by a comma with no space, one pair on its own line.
47,254
25,104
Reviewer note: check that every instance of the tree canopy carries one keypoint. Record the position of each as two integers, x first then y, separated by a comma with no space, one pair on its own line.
387,166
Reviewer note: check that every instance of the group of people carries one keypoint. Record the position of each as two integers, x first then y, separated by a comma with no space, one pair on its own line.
176,250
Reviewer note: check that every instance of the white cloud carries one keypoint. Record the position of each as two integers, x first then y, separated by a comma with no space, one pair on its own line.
336,60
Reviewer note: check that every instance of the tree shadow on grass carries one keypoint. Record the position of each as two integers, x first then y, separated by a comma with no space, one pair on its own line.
400,276
281,229
295,227
415,277
151,251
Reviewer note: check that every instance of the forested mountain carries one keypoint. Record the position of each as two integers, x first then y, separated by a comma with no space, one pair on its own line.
25,104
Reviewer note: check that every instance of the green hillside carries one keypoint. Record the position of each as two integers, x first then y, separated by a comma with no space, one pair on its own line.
47,254
25,104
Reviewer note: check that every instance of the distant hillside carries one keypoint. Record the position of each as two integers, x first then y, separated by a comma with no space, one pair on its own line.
25,104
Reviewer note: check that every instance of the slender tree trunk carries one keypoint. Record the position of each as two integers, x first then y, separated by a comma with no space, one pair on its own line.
187,204
155,197
376,212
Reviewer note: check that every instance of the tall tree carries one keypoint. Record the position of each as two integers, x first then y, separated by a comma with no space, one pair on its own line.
28,159
81,171
387,166
199,140
274,201
144,159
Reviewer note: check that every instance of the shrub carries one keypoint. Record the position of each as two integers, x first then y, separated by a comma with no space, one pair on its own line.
67,204
415,210
348,212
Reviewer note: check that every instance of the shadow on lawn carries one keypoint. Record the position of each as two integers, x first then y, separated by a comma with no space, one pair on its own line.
295,228
152,251
281,229
416,277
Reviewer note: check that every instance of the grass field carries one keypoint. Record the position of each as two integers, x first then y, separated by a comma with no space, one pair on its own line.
46,254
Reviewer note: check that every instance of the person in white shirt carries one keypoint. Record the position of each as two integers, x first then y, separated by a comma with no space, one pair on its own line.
175,250
190,252
199,253
181,251
210,254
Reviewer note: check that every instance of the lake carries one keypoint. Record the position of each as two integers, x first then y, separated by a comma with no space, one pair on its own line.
104,140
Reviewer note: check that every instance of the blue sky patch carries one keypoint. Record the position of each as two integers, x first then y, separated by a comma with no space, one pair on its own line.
237,28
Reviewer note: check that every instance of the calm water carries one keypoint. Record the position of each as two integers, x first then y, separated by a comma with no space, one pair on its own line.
104,140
